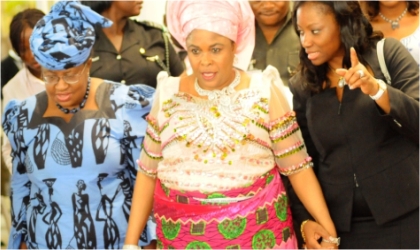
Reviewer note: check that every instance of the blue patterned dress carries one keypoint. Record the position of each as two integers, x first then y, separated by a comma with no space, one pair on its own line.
72,182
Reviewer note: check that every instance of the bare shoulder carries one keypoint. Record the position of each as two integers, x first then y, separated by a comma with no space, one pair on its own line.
245,80
186,83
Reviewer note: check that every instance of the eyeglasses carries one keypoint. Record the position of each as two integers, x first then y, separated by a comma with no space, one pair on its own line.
72,79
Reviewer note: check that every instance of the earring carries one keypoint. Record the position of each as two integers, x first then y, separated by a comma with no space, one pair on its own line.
235,59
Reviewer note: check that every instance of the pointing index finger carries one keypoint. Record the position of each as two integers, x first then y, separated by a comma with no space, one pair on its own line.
353,57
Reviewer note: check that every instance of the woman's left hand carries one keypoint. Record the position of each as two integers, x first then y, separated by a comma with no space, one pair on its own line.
358,76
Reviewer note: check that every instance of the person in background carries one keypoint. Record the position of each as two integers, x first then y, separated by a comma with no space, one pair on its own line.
131,51
182,53
397,19
10,66
217,140
27,81
362,133
74,145
276,42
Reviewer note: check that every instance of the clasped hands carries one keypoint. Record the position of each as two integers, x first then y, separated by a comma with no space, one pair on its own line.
316,237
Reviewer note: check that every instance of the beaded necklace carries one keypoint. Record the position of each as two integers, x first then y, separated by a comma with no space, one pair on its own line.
81,105
394,23
219,94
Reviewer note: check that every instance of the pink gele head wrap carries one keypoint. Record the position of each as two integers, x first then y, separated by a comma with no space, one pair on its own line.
233,19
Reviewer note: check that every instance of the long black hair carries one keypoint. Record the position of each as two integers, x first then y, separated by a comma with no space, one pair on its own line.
355,31
22,20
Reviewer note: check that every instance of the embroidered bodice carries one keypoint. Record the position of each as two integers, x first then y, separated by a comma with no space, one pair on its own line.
211,145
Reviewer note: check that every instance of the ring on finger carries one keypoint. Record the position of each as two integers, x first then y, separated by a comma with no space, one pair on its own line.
361,73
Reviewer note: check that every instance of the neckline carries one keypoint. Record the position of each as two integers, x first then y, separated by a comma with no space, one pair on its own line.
104,110
43,105
218,94
251,86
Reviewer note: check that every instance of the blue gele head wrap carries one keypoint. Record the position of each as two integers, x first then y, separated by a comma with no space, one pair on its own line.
64,38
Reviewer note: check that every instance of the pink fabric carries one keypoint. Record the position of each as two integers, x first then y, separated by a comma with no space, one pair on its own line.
232,19
270,196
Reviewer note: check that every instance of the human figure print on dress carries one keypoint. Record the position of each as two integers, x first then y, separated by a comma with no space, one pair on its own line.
53,235
37,208
84,228
19,224
104,213
18,155
125,187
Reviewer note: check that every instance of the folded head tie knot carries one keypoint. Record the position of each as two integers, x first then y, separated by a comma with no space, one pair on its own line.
232,19
64,38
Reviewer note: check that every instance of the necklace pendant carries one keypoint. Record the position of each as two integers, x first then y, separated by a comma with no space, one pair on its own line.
341,82
395,25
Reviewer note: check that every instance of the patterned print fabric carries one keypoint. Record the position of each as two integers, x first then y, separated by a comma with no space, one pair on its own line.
72,182
262,221
64,38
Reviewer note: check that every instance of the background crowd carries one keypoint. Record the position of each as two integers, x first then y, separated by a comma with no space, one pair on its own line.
88,89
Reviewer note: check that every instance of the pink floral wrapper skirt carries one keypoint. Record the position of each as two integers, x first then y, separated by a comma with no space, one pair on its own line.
191,220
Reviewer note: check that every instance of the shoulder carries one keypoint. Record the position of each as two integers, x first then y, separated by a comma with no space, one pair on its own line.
167,83
127,101
268,77
297,86
392,45
391,41
264,81
14,82
395,53
149,25
16,111
117,90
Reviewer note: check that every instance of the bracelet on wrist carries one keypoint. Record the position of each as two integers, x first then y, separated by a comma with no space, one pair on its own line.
301,230
128,246
381,90
332,240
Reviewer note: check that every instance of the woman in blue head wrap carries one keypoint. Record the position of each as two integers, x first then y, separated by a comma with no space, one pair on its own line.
74,145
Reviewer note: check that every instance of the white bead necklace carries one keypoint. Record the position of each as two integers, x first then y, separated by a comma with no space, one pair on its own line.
222,93
394,23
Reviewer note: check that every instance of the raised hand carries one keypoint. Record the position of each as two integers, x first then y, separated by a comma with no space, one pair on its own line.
358,76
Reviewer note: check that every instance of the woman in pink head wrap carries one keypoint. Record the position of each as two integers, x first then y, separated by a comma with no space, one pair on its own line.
216,142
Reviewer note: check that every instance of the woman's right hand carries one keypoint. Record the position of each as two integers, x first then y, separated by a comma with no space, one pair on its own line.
313,232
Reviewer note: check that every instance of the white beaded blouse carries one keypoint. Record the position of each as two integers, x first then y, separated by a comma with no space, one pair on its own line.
196,144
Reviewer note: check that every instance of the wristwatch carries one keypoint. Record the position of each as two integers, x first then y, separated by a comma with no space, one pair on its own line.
381,91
